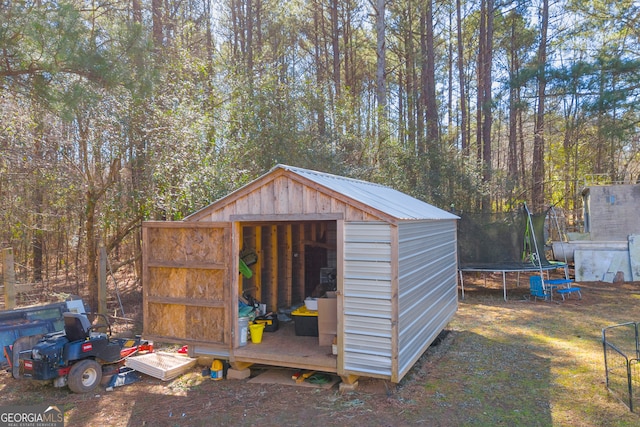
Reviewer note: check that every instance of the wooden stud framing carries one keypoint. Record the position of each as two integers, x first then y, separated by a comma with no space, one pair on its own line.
258,265
273,268
241,238
301,260
232,292
288,274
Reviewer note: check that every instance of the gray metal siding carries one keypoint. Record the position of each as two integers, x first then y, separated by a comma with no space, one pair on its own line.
427,286
367,298
385,199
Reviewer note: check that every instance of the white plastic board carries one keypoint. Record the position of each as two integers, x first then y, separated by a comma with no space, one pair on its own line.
634,256
164,366
601,265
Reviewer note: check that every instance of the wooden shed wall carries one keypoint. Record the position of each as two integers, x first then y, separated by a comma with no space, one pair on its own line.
284,196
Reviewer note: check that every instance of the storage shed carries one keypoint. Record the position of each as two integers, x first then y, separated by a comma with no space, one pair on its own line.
390,258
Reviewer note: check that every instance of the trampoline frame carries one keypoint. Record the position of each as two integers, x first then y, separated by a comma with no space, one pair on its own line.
524,268
537,266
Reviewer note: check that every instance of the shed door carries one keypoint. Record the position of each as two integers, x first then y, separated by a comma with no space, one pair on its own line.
186,282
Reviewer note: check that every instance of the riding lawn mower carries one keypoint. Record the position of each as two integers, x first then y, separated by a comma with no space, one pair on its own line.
78,356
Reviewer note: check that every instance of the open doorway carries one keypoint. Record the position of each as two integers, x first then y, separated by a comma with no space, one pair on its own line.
294,261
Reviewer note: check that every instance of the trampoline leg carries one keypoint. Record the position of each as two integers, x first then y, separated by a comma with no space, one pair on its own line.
461,282
504,284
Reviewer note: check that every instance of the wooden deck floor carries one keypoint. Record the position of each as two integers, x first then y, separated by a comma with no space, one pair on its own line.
285,348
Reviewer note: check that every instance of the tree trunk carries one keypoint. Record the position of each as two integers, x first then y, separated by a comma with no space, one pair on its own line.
512,151
538,138
421,94
480,77
319,68
137,11
347,52
381,84
464,136
91,246
38,237
484,115
156,14
431,106
409,52
37,241
450,66
335,43
249,47
381,87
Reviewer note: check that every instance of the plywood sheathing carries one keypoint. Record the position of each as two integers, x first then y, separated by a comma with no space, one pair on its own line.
185,276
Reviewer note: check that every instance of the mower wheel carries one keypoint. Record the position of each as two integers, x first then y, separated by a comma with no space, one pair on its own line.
84,376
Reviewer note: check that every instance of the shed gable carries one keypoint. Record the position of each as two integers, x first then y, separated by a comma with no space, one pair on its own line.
282,193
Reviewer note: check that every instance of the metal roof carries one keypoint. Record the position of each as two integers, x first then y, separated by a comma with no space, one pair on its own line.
385,199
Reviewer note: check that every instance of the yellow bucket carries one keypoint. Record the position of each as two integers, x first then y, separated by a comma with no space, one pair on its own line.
256,330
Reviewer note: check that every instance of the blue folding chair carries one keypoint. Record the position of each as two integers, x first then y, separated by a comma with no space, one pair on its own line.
537,288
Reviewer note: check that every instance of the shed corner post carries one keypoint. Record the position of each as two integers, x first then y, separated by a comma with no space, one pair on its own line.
234,282
340,251
395,299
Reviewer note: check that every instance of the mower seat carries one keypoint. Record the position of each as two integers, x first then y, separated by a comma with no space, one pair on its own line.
76,326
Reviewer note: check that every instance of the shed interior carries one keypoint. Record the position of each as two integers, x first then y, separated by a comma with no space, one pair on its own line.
291,263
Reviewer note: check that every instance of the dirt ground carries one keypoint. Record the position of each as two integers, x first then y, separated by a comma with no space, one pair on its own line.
498,363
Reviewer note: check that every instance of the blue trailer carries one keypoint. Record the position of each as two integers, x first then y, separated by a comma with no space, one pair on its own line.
21,328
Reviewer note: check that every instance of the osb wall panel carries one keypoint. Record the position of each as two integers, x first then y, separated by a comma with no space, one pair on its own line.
167,320
194,283
205,324
186,245
187,322
283,196
205,284
186,282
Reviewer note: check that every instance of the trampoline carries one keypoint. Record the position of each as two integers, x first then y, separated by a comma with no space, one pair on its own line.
511,242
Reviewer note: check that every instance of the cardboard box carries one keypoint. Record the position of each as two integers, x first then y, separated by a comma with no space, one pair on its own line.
327,320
